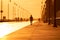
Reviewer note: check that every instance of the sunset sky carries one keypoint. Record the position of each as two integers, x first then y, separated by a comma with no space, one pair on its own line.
22,8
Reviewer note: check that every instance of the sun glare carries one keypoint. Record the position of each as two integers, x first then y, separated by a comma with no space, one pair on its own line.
7,28
4,29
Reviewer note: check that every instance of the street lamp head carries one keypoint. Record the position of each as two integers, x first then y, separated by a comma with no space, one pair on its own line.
1,11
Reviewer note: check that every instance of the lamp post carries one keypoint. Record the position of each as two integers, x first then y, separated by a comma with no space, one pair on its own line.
55,25
1,10
15,10
49,13
8,11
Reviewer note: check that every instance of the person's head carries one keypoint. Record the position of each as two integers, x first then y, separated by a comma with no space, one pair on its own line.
31,15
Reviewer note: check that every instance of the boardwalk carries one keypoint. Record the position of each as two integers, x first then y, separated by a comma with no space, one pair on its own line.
37,31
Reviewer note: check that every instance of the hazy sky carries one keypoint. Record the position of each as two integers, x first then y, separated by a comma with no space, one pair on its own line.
25,7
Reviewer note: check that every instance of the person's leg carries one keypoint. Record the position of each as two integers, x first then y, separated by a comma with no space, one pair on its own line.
31,22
